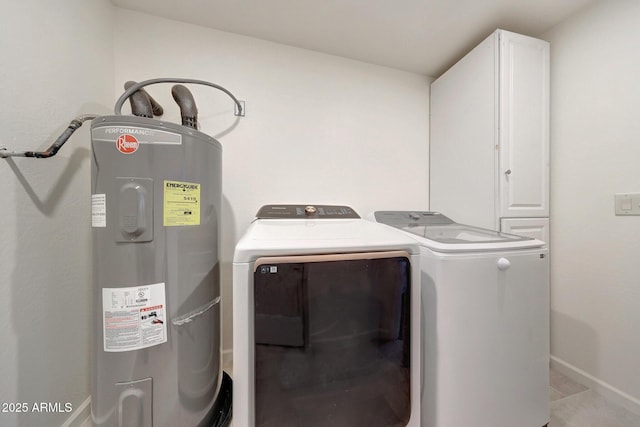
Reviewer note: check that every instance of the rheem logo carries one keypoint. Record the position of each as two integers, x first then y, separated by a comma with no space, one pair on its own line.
127,144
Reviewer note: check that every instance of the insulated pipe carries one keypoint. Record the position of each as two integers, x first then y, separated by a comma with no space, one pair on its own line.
140,104
157,108
118,107
188,109
59,142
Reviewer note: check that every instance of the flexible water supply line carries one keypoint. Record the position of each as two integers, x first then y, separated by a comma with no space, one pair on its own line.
135,87
57,144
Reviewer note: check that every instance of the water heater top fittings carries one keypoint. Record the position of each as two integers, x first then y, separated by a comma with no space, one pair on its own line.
142,105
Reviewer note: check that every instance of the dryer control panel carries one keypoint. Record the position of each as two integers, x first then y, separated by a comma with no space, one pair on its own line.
306,212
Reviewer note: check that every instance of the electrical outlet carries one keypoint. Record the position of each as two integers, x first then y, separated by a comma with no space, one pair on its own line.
627,203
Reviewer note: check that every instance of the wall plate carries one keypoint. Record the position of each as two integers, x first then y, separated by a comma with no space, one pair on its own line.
627,204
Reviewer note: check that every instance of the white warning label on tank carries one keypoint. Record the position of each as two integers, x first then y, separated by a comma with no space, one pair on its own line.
134,318
98,210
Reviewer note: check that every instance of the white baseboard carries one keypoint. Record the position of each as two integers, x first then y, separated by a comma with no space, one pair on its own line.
605,389
80,415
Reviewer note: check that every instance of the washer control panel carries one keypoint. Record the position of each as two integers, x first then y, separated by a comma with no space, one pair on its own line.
306,212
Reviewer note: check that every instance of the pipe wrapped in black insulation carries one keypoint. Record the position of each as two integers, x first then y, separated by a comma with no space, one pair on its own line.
188,109
140,102
156,109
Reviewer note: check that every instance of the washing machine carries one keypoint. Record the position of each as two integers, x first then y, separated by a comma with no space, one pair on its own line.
326,321
485,323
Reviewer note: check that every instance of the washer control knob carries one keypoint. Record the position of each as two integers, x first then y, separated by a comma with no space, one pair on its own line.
414,216
310,211
503,264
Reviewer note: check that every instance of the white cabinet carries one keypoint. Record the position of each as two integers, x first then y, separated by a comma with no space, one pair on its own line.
523,126
489,142
538,228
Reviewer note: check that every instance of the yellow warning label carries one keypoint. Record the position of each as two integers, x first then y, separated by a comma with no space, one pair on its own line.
181,203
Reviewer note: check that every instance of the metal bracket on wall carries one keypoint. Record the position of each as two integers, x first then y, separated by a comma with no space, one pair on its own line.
237,112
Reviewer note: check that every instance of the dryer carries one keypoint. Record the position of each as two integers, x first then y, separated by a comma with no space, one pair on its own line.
326,321
485,327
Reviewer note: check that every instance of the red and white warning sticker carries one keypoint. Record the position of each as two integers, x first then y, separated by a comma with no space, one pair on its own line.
134,318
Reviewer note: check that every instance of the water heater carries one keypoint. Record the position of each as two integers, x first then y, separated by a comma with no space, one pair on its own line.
155,215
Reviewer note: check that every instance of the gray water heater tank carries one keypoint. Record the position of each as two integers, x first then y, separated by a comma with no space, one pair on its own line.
156,198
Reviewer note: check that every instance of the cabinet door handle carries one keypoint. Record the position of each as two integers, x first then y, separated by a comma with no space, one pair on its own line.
507,172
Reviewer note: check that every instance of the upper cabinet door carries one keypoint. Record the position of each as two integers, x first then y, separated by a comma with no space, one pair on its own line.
523,174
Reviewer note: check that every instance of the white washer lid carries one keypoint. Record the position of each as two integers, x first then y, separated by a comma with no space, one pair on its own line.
440,233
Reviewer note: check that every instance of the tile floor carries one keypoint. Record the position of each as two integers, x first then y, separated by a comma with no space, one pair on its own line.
572,405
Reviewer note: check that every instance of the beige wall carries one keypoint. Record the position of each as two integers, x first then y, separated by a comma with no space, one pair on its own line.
595,153
57,62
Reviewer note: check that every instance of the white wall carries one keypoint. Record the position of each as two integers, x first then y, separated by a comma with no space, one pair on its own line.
57,62
595,140
318,128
